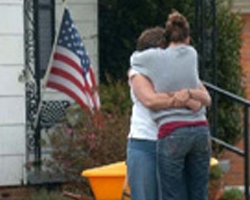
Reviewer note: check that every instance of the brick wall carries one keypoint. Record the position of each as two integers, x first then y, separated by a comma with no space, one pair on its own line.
245,53
235,176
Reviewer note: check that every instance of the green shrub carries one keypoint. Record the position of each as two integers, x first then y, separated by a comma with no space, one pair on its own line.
216,172
84,141
232,194
229,75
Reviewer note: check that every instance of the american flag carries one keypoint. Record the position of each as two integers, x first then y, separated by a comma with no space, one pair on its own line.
70,70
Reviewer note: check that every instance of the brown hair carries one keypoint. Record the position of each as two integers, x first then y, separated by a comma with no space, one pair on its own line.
177,27
151,38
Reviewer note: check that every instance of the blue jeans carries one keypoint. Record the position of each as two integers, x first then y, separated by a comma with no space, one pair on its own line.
184,155
141,165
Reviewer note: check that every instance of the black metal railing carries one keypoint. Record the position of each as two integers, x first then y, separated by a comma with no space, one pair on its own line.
243,153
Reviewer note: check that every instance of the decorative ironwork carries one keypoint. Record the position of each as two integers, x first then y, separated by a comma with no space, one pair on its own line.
51,111
31,99
29,36
31,110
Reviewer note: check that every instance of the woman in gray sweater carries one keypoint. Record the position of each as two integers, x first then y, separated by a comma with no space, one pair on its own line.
183,146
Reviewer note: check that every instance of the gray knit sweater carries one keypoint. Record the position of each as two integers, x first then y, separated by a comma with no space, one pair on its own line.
170,69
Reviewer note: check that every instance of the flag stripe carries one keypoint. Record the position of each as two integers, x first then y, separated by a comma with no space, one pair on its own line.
68,76
58,80
92,78
68,69
72,69
69,73
69,61
62,88
94,95
66,52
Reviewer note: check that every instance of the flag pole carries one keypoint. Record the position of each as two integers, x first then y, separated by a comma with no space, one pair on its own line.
46,76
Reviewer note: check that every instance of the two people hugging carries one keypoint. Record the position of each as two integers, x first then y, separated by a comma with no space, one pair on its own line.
169,148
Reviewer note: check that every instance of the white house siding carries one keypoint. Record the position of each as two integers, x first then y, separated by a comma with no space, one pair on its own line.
12,93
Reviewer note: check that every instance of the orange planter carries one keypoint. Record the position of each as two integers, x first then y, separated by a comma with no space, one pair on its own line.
107,181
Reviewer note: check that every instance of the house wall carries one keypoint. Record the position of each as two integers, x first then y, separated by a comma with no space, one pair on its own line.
245,52
12,93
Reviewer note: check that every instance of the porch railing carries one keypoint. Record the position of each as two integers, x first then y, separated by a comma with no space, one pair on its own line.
243,153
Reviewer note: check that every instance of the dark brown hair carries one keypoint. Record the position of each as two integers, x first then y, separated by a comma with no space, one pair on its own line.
177,27
151,38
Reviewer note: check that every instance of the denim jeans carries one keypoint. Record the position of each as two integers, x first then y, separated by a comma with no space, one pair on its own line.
141,165
184,154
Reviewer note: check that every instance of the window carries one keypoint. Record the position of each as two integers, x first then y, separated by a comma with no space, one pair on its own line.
46,33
